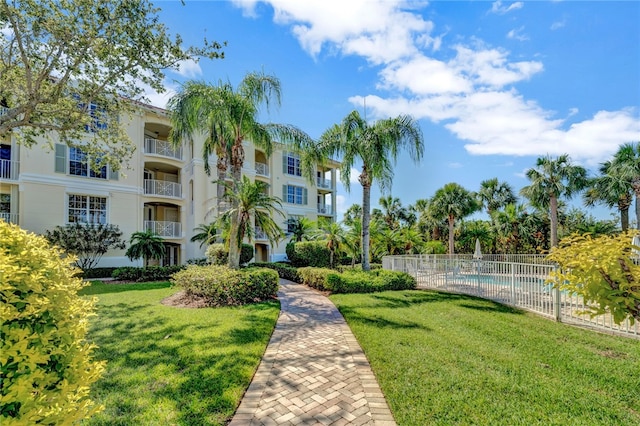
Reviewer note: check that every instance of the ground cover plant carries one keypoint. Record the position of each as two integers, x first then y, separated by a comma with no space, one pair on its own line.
453,359
169,365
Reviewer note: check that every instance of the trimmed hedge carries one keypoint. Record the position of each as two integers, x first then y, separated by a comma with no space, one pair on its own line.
369,282
98,272
150,273
315,277
223,286
218,254
358,267
309,253
284,271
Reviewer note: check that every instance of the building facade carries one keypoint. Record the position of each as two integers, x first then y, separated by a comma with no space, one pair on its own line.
163,189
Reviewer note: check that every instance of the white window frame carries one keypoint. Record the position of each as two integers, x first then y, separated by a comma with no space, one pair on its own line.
293,167
77,155
295,194
86,202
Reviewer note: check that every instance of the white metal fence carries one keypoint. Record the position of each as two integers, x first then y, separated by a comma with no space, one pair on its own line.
523,285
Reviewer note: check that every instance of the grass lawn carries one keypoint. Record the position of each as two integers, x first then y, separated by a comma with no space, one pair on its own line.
451,359
173,366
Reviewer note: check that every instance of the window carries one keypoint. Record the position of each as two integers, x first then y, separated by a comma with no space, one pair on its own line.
291,163
97,112
86,209
79,165
294,194
292,223
5,203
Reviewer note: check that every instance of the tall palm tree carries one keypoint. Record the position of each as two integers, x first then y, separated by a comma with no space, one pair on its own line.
376,146
552,179
393,211
612,190
334,235
626,164
494,195
146,245
228,117
453,202
251,204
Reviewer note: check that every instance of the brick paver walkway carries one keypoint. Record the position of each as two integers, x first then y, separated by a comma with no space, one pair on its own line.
313,371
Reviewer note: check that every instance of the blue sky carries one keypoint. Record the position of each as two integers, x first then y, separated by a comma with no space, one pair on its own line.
494,85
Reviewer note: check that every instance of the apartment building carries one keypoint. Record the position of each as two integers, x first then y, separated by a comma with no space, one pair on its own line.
163,189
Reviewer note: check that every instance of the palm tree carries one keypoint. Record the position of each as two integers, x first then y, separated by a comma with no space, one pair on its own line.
251,204
334,235
612,190
392,211
301,228
494,195
353,238
230,116
626,165
550,180
206,234
453,202
376,146
146,245
354,212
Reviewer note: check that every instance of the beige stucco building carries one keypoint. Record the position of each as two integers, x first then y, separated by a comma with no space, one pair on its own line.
162,189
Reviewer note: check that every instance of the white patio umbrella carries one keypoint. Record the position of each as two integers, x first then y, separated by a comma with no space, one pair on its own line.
636,242
478,253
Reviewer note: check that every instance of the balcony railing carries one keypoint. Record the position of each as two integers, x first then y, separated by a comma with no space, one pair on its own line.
163,188
260,234
262,169
164,148
164,229
324,183
9,217
9,169
324,209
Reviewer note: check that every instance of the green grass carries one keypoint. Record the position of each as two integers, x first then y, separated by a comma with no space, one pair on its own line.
173,366
444,359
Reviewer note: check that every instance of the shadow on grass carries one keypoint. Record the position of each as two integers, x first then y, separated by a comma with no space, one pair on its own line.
100,287
166,371
490,306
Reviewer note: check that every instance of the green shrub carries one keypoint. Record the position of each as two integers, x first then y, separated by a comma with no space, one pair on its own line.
434,247
369,282
221,285
358,267
202,261
45,361
284,271
309,253
150,273
218,254
98,272
315,277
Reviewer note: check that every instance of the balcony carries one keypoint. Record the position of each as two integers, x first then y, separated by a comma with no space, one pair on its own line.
162,188
9,218
163,228
260,234
163,148
324,183
324,209
9,169
262,169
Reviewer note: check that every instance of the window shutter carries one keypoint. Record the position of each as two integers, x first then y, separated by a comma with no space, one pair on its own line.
113,174
284,193
284,163
61,158
304,196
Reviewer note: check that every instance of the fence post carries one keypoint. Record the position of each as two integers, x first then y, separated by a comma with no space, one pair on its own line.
556,299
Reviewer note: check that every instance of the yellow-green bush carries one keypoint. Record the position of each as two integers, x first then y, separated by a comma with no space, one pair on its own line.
46,365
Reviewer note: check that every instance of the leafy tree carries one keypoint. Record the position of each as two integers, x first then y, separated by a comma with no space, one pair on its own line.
602,271
89,242
251,204
472,231
626,165
353,213
552,179
205,234
70,66
612,189
147,245
507,226
230,116
393,211
377,147
453,202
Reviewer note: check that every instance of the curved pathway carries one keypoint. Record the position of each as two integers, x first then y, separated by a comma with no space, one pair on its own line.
313,371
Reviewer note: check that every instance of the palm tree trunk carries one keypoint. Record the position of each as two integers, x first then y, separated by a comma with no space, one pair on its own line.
366,219
451,246
553,211
624,218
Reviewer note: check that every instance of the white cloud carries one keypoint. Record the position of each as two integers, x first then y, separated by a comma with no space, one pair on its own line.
455,165
516,34
558,24
188,68
497,7
353,176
